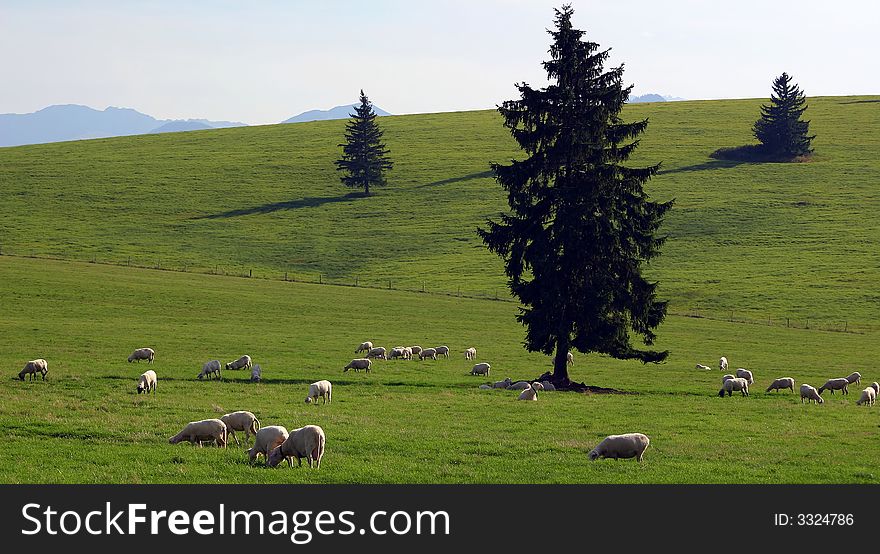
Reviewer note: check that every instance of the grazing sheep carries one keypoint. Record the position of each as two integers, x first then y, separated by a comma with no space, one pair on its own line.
722,364
377,352
407,353
397,352
854,377
364,347
781,383
835,384
242,363
876,386
868,397
241,421
307,442
202,431
321,388
442,351
810,393
256,373
268,438
629,445
730,385
416,350
745,374
569,358
531,393
728,376
147,382
548,386
210,369
358,364
481,369
470,353
142,354
32,368
519,385
701,366
428,353
502,384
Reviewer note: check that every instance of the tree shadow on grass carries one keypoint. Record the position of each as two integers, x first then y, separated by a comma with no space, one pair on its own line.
451,180
308,202
714,164
861,102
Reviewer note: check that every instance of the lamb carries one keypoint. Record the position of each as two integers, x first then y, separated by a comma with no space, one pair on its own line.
629,445
358,364
147,382
868,397
548,386
428,353
519,385
241,421
854,377
730,385
835,384
442,351
531,393
32,368
321,388
722,364
470,353
242,363
306,442
268,438
481,369
377,352
256,373
781,383
142,354
569,358
810,393
701,366
210,369
200,431
416,350
745,374
364,347
728,376
502,384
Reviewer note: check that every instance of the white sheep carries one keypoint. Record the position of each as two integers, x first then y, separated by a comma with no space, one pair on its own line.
502,384
876,386
358,364
701,366
629,445
307,442
835,384
728,376
241,421
32,368
415,350
364,347
442,351
531,393
428,353
470,353
486,387
397,352
210,369
730,385
869,395
407,353
722,364
810,393
569,358
745,374
781,383
202,431
321,388
267,439
142,354
147,382
854,377
519,385
377,352
481,369
242,363
548,386
256,373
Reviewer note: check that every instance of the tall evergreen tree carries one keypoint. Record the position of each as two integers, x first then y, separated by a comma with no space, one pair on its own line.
780,129
364,156
580,225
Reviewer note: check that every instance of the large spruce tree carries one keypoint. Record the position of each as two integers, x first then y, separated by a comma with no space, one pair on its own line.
782,133
364,156
580,225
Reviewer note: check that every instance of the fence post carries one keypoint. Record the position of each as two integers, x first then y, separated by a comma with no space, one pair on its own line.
320,278
250,273
389,284
423,286
845,326
285,276
356,280
787,322
459,291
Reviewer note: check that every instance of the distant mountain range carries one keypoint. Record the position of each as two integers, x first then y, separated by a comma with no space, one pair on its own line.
75,122
651,97
339,112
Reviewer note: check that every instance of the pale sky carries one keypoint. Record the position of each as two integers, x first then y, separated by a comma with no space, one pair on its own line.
264,61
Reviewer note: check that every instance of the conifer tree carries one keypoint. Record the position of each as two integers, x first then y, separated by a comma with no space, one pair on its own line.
782,133
364,157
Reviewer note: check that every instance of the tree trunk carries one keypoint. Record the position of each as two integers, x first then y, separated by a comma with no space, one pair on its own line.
560,362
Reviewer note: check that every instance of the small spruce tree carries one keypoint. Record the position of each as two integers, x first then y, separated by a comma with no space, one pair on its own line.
364,157
782,133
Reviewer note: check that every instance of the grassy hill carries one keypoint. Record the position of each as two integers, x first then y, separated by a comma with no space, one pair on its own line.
758,240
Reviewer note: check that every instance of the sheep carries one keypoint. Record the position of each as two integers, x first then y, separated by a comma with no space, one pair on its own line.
470,353
407,353
876,386
548,386
854,377
569,358
397,352
835,384
781,383
142,354
629,445
481,369
416,350
486,387
306,442
745,374
442,351
32,368
364,347
730,385
728,376
810,393
256,373
241,421
242,363
147,382
321,388
502,384
267,439
531,393
519,385
210,369
428,353
701,366
722,364
358,364
377,352
200,431
868,397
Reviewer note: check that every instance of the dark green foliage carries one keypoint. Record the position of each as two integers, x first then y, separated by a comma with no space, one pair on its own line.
580,225
782,133
364,156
